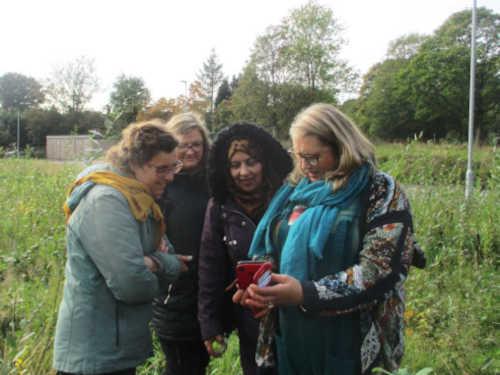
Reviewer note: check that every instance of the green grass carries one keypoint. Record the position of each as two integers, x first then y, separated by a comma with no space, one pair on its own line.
452,311
435,164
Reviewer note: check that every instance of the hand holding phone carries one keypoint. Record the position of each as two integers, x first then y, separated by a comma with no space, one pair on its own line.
263,275
246,270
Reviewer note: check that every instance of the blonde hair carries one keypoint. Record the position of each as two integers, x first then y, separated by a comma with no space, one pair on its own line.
140,142
335,129
183,123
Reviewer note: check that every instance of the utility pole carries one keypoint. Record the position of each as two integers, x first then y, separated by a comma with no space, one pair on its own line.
469,176
18,132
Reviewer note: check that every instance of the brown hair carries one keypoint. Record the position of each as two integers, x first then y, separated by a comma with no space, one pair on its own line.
335,129
140,143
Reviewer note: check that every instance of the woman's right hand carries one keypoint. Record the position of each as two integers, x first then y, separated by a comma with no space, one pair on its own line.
211,344
259,310
284,291
153,266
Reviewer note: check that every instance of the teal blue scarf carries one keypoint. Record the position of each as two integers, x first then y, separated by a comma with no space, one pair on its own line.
309,233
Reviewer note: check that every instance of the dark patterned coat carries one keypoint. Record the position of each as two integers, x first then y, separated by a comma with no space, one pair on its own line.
373,287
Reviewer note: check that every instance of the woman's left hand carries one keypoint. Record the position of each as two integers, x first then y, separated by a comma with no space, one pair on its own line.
151,264
285,290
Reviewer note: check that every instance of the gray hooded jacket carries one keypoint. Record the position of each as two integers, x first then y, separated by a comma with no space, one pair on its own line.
106,306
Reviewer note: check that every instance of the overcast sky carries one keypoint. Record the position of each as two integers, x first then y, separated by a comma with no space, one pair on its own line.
166,41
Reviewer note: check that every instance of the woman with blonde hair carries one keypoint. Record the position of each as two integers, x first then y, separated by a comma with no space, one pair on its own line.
117,258
184,202
341,235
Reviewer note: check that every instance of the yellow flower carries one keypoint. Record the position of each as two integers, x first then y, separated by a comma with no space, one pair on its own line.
408,315
19,363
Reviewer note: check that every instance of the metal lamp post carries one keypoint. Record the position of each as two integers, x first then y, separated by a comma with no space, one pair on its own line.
469,177
18,143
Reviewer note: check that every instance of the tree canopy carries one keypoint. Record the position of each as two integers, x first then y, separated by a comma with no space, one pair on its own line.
129,96
210,77
423,85
292,65
19,92
72,86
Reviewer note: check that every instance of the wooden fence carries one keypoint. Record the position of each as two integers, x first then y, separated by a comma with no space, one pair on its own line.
73,147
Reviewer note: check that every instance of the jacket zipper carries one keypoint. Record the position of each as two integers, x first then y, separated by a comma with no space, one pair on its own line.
169,291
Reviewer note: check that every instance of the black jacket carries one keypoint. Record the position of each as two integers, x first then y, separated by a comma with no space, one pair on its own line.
184,204
228,232
226,237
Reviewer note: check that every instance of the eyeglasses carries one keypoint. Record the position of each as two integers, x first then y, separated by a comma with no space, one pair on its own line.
195,146
311,160
164,170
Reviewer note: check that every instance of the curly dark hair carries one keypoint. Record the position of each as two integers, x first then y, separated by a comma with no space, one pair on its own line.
276,161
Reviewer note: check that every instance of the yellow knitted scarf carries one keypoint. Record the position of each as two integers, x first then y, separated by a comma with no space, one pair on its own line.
138,197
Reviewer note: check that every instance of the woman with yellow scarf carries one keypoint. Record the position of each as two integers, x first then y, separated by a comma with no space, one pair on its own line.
117,257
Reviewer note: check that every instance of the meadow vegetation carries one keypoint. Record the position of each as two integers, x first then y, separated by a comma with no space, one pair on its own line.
452,312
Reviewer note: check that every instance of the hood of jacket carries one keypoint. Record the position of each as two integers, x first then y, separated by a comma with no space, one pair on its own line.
277,162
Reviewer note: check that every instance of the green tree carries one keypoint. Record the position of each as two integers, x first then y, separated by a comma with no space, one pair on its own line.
19,92
311,49
223,93
224,114
268,56
72,86
250,100
291,65
8,129
423,87
406,46
43,122
384,110
437,77
82,122
129,96
210,77
273,107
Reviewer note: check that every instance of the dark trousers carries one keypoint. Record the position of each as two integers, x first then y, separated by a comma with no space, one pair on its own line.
247,353
185,357
129,371
267,371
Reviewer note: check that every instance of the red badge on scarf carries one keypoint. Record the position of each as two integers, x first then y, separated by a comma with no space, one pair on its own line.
297,211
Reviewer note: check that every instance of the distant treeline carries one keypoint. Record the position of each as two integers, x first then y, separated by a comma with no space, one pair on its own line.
420,88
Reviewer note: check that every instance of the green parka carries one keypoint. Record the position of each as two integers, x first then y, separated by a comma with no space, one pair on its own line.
106,307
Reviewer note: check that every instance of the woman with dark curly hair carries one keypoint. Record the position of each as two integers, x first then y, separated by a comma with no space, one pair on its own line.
246,167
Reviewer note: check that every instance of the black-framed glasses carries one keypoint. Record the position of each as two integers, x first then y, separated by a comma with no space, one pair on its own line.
164,170
195,146
311,160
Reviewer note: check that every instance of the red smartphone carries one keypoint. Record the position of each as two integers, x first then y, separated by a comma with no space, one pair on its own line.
263,275
245,271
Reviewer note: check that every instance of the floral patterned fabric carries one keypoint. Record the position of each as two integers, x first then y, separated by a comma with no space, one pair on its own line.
373,287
